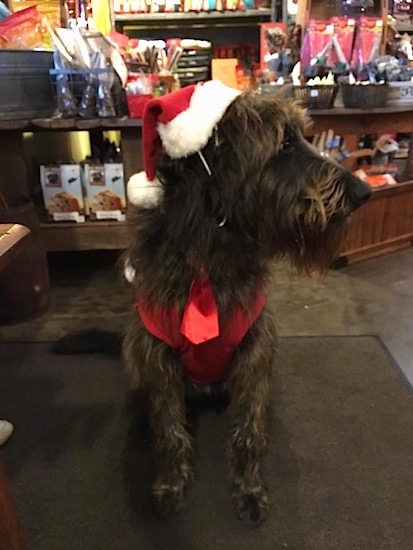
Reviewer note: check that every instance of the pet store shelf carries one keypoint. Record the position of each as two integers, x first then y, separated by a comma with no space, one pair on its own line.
402,27
363,121
385,223
69,124
132,22
195,16
96,235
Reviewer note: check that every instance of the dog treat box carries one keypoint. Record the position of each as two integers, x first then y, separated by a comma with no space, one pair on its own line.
62,192
105,190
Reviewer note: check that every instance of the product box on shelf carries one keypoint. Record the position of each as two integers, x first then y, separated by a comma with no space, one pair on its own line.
105,191
62,192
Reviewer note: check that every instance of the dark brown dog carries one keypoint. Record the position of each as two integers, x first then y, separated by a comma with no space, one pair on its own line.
266,194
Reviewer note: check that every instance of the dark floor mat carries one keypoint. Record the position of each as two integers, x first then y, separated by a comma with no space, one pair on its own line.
339,466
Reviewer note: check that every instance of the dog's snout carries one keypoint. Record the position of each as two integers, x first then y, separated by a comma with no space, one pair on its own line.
359,191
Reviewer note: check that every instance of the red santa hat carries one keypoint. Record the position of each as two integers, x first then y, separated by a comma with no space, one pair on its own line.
179,123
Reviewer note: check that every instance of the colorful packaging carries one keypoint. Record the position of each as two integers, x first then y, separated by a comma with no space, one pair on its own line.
317,44
403,10
272,41
344,29
62,192
368,42
105,191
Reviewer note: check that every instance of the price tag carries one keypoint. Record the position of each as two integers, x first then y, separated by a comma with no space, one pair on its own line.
406,91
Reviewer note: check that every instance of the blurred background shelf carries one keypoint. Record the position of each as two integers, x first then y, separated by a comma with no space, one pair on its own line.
102,235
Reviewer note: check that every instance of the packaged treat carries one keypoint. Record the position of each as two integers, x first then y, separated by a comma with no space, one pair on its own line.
368,41
62,192
272,44
21,30
105,190
344,29
317,44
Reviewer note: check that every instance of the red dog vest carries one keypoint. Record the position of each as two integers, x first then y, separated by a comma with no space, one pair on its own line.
205,347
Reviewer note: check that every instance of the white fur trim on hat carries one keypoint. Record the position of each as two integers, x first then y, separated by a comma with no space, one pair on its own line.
142,192
190,131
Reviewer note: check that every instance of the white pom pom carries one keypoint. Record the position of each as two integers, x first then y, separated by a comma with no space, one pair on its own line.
129,272
142,192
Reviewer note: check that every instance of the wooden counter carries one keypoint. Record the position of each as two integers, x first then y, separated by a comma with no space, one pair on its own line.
361,121
385,223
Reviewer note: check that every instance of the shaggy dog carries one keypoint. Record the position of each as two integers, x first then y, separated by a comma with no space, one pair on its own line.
218,205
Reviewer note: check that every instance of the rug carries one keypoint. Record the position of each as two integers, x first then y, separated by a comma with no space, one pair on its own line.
339,464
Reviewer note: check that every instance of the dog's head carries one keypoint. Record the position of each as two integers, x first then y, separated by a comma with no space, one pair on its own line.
259,188
268,189
299,201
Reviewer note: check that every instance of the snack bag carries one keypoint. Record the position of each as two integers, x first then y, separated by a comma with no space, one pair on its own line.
368,41
344,29
317,44
21,30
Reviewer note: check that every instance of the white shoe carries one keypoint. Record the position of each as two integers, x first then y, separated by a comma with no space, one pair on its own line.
6,429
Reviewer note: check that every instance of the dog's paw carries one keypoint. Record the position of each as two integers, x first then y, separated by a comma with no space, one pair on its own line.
168,500
253,508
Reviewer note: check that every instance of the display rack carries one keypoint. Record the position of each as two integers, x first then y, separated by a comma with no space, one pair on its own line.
194,19
148,23
227,27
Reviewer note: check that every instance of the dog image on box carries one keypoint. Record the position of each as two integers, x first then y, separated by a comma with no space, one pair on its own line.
229,184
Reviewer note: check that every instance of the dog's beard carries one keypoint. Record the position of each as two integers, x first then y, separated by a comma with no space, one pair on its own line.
314,229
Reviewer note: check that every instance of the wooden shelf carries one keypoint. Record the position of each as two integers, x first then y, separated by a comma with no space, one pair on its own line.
212,23
363,121
385,223
401,27
69,124
192,20
193,16
91,235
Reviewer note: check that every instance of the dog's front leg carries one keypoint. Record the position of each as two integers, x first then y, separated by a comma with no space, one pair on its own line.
156,368
249,399
172,445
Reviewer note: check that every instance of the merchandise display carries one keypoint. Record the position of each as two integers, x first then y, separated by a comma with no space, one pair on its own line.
342,55
122,7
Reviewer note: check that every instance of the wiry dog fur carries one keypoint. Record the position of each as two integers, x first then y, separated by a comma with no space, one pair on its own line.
270,195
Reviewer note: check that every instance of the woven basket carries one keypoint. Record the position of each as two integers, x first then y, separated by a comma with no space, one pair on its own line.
370,96
316,97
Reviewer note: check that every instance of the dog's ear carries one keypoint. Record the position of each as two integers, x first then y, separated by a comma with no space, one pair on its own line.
284,92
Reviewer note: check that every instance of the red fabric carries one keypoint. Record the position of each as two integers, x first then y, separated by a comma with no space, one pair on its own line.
205,347
200,318
160,109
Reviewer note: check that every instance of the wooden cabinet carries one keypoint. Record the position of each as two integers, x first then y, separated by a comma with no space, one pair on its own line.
382,225
15,186
385,222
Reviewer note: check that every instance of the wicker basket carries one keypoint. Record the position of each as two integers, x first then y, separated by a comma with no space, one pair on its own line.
370,96
316,97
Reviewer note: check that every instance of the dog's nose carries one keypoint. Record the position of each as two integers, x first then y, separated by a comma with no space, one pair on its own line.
359,191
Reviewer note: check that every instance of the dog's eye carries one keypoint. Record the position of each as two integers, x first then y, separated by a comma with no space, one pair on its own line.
286,146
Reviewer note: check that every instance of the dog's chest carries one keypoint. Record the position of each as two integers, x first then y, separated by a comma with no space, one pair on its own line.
204,341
